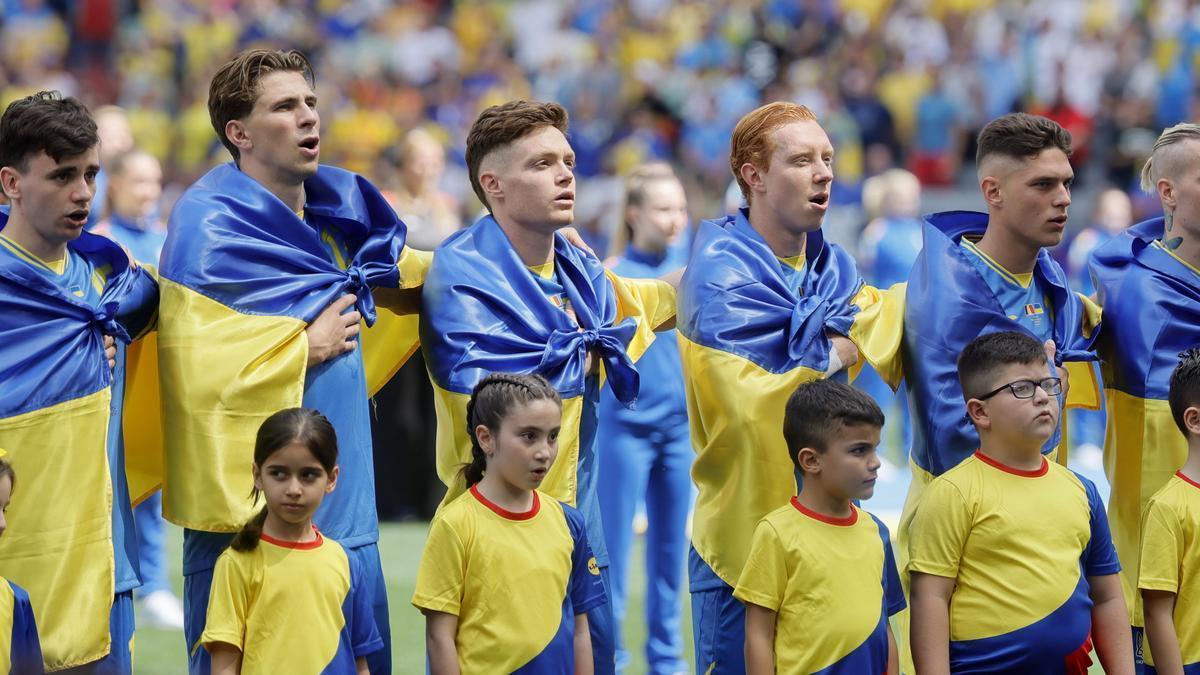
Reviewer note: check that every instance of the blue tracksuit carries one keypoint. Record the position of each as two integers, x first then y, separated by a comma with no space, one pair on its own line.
646,453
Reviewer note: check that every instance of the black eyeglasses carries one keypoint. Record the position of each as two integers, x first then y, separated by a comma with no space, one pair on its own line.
1026,388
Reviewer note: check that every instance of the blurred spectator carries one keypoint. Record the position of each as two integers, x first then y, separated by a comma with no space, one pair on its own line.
134,191
937,144
430,214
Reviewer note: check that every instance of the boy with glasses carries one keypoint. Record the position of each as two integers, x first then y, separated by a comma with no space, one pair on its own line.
1011,560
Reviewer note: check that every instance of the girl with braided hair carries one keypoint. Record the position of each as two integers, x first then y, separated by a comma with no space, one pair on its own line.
507,575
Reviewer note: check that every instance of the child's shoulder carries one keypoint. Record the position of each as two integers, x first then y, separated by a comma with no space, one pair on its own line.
1177,494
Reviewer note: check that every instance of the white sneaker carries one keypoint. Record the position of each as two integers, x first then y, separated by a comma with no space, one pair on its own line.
161,609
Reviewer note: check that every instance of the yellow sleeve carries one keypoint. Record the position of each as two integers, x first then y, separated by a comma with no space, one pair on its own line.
764,578
939,531
650,302
414,265
1161,550
878,330
1092,313
440,575
228,603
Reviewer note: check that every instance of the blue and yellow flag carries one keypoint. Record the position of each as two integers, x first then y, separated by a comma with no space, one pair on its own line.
748,336
947,305
61,412
483,311
242,276
1151,302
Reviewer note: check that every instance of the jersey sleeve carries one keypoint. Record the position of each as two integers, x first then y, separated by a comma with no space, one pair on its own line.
763,581
878,330
652,300
1162,549
585,587
939,531
1100,557
440,575
228,603
26,647
364,634
893,592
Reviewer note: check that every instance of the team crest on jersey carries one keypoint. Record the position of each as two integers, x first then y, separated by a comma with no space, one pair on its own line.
593,567
1033,309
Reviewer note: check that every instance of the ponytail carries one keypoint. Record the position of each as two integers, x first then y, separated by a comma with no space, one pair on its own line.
491,400
247,539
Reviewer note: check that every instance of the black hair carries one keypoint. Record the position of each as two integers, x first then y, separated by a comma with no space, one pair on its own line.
818,411
1021,136
45,122
1185,386
491,400
986,354
291,425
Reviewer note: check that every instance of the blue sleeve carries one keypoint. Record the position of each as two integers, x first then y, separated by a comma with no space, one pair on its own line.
364,634
893,592
26,648
585,587
1099,558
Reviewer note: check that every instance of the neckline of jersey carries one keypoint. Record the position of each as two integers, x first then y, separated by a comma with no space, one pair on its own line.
1024,473
831,520
505,513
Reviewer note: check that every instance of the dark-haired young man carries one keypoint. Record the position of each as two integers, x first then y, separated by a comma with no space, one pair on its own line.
270,264
70,303
980,273
510,294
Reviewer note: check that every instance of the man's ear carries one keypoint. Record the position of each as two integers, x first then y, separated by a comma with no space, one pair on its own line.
10,182
237,134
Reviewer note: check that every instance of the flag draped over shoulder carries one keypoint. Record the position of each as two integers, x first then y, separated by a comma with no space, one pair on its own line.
1151,305
748,337
59,402
483,311
948,304
242,276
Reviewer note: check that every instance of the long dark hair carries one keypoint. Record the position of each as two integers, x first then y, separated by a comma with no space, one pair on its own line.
490,403
291,425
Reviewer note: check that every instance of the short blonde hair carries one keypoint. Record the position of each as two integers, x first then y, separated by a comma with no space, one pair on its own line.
1164,159
751,142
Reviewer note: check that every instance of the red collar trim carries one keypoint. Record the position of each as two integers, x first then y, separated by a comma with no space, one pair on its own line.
297,545
1016,472
505,513
840,522
1187,480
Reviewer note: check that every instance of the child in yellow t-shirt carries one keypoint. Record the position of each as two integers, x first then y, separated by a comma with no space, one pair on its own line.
821,580
1169,571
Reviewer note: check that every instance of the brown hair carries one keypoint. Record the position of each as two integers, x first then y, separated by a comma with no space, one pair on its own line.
45,122
502,124
234,88
1021,136
751,141
290,425
490,403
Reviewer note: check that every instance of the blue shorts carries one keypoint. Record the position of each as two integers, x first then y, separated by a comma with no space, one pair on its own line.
718,621
200,553
119,660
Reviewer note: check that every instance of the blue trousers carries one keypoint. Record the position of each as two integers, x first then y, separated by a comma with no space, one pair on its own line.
718,621
200,553
602,630
151,532
119,660
653,466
